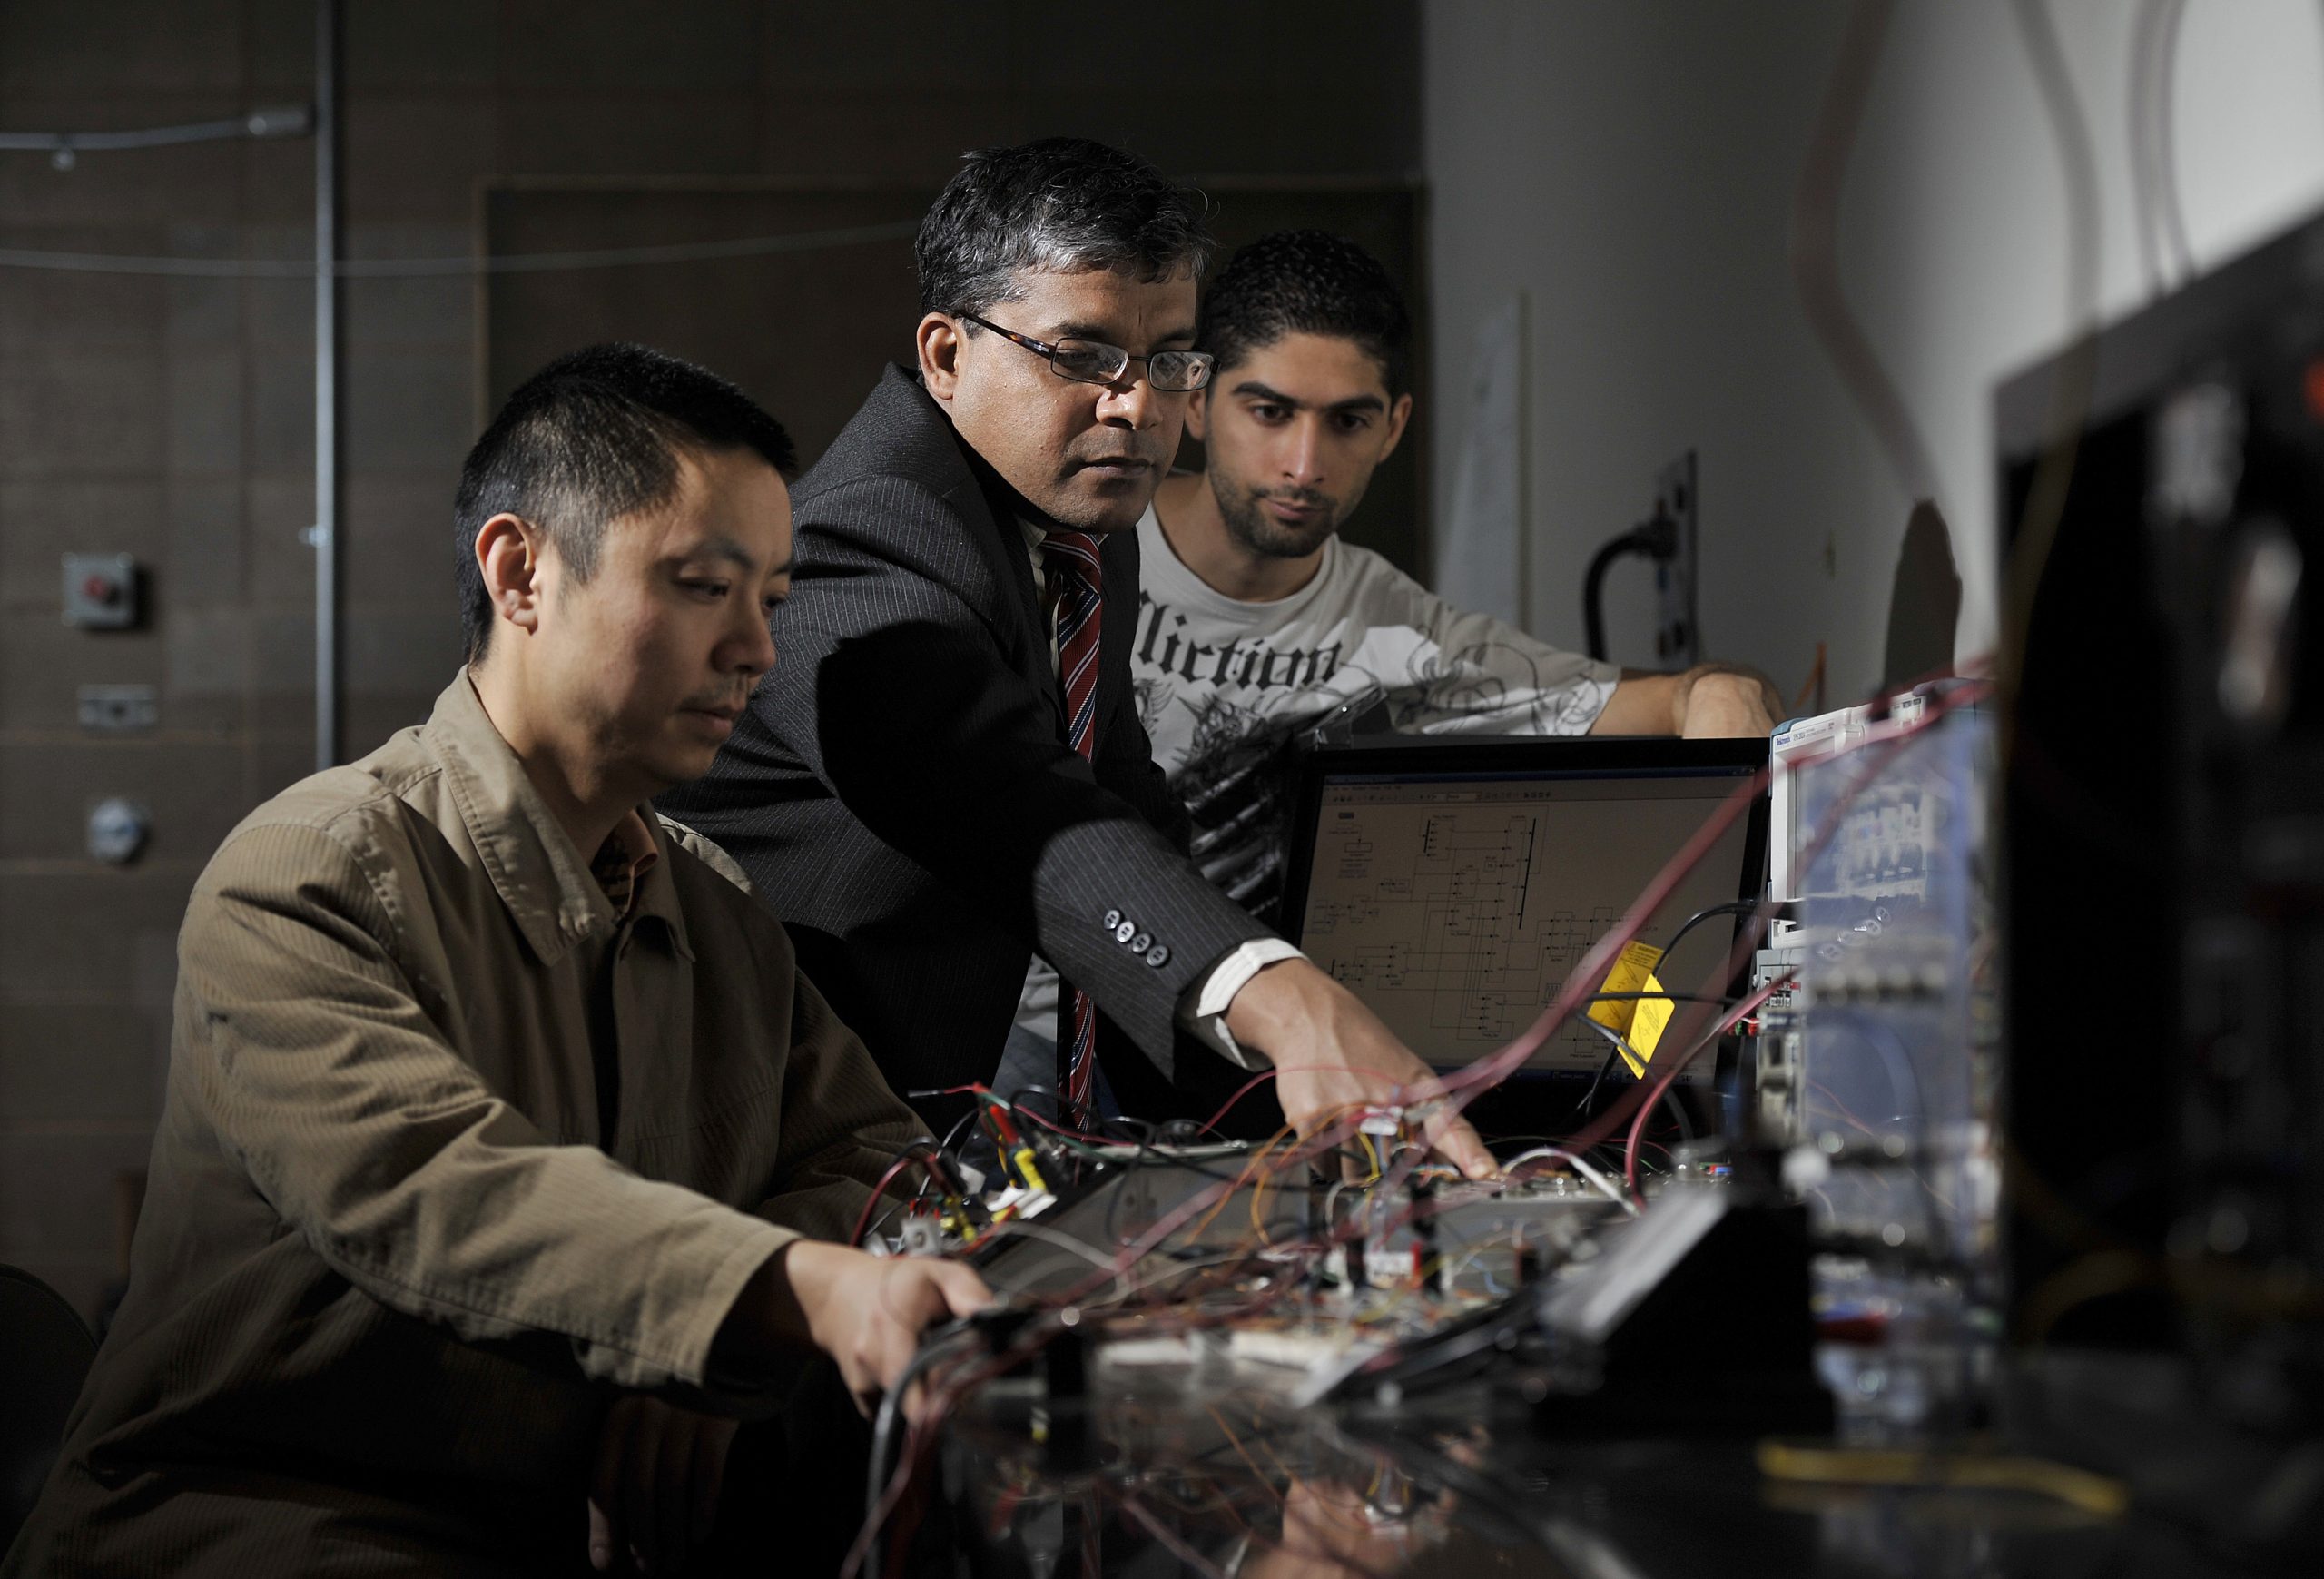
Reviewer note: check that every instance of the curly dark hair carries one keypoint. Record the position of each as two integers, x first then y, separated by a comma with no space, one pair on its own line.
1307,283
593,437
1062,203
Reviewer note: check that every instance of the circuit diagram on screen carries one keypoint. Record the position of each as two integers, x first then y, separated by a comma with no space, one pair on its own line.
1456,911
1457,918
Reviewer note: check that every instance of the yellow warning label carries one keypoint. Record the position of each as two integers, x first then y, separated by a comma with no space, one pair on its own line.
1639,1021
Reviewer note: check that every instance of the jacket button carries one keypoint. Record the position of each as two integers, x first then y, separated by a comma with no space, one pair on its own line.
1157,956
1124,932
1113,919
1139,944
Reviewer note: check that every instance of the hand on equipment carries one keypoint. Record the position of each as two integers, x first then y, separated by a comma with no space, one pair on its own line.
1332,1054
868,1312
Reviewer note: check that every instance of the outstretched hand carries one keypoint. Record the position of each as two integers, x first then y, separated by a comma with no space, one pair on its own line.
1332,1054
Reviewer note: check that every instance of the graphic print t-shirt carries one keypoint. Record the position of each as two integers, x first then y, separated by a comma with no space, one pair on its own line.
1225,687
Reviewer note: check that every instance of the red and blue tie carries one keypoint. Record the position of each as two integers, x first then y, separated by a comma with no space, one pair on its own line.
1077,586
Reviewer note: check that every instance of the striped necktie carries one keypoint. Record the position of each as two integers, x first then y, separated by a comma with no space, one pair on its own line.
1077,586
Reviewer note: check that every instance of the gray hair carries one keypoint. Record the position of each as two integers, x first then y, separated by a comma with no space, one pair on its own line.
1062,205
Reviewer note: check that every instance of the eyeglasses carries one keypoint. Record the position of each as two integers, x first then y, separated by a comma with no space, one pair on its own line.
1089,361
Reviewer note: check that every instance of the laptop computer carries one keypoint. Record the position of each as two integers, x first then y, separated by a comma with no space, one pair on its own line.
1453,885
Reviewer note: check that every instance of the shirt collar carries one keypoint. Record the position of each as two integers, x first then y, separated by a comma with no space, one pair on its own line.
552,895
622,862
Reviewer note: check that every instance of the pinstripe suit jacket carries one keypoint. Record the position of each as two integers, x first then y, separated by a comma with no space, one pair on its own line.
901,793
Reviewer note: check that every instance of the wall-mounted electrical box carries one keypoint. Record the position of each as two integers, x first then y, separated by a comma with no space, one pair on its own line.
118,709
101,591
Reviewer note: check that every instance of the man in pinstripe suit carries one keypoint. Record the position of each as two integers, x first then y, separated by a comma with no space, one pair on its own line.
948,770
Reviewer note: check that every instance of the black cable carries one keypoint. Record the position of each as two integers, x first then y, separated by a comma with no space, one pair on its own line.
1581,1112
1669,1098
1733,907
1593,594
1621,1046
1655,539
1590,1096
953,1135
883,1430
1621,1043
1057,1114
937,1167
1150,1144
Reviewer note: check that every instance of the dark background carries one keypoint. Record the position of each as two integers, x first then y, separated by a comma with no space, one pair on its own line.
171,419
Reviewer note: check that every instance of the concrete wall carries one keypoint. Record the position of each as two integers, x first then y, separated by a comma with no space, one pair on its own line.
1630,166
171,419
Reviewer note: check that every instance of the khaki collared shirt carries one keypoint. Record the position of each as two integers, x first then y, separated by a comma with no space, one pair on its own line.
449,1146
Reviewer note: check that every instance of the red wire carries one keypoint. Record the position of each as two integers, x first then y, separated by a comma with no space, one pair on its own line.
1481,1074
1227,1107
997,1118
878,1189
997,1109
1056,1128
1646,1107
1491,1070
1882,750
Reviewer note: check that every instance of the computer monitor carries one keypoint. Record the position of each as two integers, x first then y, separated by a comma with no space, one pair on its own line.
1453,886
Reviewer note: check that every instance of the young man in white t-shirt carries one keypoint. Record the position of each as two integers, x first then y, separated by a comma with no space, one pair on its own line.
1255,623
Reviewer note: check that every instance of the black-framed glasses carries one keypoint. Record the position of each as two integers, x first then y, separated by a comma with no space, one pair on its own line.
1091,361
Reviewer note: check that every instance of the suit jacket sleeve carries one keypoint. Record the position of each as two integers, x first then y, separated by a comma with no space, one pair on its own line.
894,686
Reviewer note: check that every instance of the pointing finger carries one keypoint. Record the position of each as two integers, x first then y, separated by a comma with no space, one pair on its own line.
1453,1138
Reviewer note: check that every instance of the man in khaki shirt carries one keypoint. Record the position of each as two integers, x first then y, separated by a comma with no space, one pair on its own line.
497,1108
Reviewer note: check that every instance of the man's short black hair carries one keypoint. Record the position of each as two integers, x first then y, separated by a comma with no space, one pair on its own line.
593,437
1062,205
1307,283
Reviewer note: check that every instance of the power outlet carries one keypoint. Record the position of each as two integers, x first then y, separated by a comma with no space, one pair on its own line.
1677,638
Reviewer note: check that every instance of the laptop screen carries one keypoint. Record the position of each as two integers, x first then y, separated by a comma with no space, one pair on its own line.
1453,887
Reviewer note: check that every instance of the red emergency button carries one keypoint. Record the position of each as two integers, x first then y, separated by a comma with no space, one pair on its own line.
100,589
